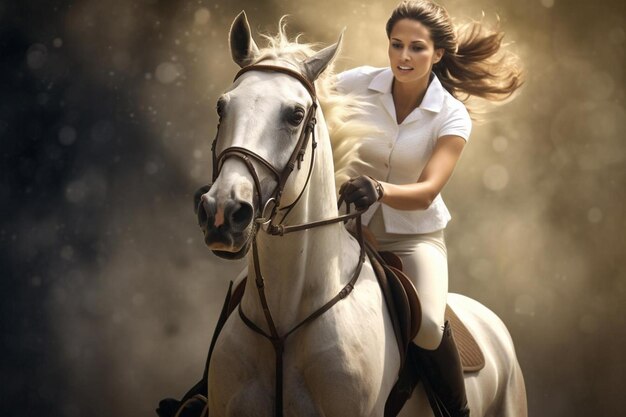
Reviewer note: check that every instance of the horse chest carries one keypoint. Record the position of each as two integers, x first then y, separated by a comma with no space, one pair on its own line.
320,378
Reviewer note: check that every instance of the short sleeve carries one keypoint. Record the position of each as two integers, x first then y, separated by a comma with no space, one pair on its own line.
457,123
350,81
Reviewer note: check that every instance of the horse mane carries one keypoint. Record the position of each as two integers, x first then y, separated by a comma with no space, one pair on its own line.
346,129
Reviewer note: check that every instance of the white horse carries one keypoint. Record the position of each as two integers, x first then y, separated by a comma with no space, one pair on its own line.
345,362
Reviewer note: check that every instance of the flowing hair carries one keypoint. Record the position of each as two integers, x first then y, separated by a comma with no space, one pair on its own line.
473,63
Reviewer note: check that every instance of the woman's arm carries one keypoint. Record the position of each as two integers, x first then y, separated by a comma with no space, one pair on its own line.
436,173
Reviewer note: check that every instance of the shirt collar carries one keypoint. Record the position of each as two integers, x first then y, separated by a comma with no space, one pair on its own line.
433,99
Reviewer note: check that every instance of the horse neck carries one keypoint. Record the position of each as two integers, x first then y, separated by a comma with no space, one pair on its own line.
301,270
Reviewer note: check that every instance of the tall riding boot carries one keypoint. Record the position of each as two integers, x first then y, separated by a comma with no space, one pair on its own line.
444,371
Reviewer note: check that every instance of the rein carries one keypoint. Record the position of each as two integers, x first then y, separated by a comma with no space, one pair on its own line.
266,223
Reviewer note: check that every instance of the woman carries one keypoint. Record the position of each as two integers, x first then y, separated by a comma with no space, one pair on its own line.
425,128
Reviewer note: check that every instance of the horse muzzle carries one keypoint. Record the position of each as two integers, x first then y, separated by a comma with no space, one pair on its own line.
227,225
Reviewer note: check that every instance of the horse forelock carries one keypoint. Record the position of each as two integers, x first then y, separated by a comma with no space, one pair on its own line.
347,131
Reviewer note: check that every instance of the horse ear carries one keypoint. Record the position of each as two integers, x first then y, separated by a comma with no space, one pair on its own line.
312,67
242,46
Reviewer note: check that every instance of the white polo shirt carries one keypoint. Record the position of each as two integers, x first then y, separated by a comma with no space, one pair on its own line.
398,153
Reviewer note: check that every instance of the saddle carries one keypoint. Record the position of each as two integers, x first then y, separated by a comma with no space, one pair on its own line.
404,309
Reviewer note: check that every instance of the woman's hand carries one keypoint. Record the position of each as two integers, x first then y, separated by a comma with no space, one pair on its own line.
362,191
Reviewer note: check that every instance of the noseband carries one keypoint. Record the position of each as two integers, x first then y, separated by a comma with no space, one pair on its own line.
297,156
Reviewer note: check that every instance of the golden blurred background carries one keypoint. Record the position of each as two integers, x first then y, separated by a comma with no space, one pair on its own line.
109,296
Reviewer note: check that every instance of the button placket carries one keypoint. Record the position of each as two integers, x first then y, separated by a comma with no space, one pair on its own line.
391,145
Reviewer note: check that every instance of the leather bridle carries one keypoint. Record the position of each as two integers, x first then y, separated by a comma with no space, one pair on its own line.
297,156
266,221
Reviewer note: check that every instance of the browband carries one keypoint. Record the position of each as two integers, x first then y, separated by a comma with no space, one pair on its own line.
295,74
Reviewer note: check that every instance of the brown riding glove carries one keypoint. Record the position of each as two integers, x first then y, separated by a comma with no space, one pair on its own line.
362,191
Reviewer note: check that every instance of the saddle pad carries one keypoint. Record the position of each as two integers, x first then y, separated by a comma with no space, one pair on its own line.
472,357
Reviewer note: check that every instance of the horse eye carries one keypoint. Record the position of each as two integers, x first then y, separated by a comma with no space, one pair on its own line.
297,116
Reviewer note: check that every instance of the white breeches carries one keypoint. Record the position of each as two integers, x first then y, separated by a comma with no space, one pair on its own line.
425,261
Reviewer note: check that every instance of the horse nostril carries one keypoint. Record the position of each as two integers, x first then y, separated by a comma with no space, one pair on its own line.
203,218
198,196
241,216
206,212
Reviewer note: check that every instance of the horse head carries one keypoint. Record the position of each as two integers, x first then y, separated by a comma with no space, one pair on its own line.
263,118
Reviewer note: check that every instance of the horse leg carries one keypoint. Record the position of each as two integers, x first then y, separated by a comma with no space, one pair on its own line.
514,402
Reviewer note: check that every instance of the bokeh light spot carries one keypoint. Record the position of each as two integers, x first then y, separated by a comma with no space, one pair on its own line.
500,143
151,168
168,72
36,56
118,317
35,281
496,177
76,191
202,16
594,215
57,42
67,135
67,252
